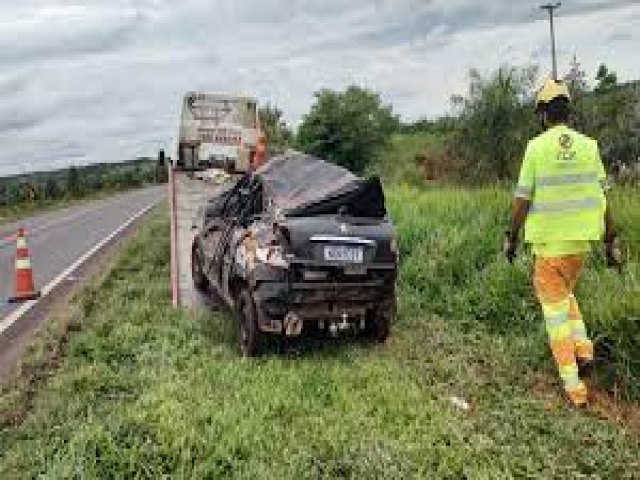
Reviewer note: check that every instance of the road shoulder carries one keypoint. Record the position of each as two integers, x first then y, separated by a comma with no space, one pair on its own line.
55,307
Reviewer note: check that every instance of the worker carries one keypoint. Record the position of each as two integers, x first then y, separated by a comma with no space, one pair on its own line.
561,201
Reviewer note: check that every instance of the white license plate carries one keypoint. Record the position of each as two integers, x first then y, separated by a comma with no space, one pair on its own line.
341,253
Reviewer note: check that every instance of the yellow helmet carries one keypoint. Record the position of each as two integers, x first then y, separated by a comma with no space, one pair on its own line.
552,89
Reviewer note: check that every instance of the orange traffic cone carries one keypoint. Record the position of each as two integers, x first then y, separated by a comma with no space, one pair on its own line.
25,289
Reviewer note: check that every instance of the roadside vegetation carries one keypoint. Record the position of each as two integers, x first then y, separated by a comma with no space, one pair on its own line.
483,139
141,390
23,194
453,267
495,120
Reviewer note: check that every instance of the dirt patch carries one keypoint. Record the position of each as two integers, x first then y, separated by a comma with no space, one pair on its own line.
609,406
605,404
32,375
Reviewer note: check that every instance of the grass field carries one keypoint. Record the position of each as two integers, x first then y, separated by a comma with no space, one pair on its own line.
450,239
145,391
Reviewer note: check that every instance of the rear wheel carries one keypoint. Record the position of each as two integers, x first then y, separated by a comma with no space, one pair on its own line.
200,280
379,320
230,166
249,337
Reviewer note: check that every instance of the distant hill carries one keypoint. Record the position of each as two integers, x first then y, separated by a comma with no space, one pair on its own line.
45,187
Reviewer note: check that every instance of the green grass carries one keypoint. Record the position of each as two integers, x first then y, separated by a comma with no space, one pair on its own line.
145,391
450,241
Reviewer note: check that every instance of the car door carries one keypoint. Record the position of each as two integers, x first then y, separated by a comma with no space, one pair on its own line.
213,233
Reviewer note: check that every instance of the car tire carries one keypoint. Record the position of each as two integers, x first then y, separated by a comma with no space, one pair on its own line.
249,335
229,166
380,318
200,280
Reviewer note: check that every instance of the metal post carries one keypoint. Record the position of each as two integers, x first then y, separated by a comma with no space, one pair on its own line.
551,7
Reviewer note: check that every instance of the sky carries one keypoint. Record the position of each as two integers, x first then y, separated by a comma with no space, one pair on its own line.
89,81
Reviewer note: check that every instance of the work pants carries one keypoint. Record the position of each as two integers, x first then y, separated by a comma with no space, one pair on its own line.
554,281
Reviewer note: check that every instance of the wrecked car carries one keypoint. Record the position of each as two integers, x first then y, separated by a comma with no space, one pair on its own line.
299,245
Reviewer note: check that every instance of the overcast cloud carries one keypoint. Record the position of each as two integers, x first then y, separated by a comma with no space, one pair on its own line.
101,80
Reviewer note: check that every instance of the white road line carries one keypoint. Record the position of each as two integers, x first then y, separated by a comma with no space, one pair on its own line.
27,306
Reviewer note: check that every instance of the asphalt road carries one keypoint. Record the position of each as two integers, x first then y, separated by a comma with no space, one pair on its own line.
57,239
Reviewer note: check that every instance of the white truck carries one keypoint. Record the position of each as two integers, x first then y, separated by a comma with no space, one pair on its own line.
218,130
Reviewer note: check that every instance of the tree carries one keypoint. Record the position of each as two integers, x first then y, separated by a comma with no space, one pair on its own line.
611,115
278,134
4,194
496,121
576,79
347,128
606,80
51,189
14,194
73,182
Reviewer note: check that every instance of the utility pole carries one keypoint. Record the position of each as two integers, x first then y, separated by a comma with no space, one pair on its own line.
551,7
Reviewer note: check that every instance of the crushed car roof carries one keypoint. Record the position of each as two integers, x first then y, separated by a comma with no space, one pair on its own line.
294,180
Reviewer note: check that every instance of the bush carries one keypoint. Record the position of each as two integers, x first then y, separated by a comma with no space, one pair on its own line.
495,122
612,116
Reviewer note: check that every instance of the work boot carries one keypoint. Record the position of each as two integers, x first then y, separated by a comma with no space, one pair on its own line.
577,397
577,403
585,367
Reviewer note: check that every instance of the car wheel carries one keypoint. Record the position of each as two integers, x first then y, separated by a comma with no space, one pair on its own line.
249,337
229,166
380,318
200,280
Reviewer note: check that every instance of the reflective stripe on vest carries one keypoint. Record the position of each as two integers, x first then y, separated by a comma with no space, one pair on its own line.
568,179
523,192
563,206
557,320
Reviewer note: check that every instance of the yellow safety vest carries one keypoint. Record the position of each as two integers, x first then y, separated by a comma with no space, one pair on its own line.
563,177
